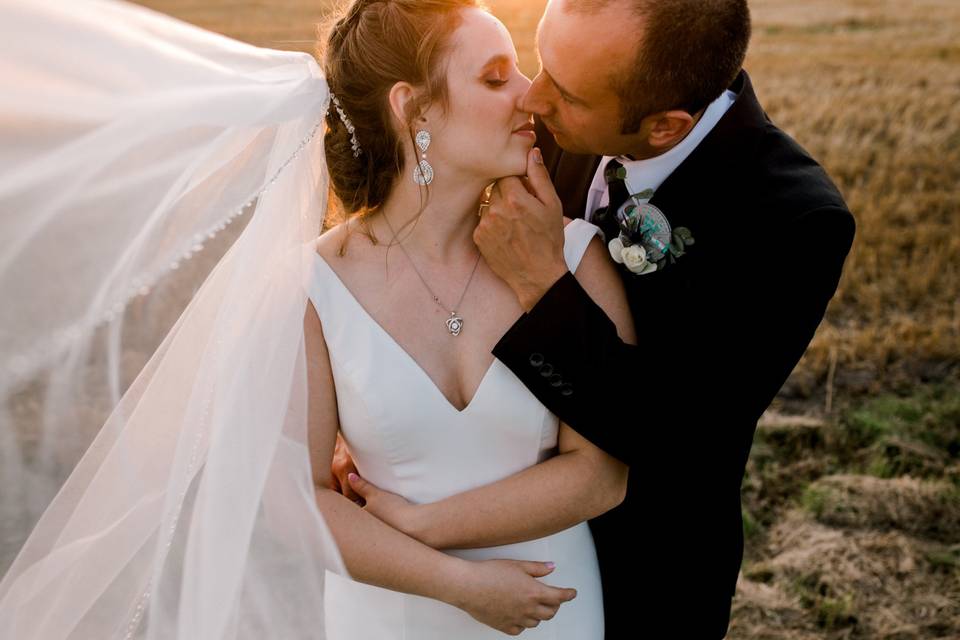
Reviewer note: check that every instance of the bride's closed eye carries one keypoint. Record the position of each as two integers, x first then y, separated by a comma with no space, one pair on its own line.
497,72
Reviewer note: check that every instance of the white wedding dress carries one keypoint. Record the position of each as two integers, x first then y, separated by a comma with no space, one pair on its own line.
128,142
407,438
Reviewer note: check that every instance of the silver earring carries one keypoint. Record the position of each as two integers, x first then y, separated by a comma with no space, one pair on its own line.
423,172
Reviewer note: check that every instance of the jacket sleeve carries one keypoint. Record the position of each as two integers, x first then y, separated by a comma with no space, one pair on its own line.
728,354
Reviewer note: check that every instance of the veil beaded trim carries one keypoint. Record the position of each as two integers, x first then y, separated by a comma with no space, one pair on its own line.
19,366
125,135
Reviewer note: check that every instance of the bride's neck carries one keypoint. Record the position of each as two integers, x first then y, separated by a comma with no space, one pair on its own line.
444,231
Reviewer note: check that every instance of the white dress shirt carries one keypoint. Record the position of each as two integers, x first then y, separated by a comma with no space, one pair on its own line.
651,172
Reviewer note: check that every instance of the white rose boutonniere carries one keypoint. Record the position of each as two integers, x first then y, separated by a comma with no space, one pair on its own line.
647,243
616,250
635,259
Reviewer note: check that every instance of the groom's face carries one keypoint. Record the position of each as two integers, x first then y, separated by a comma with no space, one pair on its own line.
581,53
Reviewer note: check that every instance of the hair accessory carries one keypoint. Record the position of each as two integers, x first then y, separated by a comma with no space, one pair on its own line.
354,143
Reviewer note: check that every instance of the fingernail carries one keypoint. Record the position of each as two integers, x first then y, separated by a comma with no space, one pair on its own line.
353,476
551,565
537,156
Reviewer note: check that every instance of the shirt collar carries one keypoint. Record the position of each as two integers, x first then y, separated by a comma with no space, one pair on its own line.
650,173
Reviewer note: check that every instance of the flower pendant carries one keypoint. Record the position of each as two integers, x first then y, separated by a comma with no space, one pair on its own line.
454,324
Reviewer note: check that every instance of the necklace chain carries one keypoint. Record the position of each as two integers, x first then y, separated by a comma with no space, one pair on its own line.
454,322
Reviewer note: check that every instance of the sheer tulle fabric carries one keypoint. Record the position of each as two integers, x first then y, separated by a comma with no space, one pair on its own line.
128,140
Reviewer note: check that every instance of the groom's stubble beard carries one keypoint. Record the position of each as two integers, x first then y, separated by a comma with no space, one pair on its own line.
635,146
586,143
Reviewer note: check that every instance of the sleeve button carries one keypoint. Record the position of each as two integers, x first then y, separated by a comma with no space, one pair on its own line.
567,390
546,370
536,360
556,380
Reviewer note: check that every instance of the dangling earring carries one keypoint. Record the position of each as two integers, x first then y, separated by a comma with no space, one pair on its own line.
423,172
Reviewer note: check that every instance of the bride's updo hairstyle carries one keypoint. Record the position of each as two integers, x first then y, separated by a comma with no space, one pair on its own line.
370,45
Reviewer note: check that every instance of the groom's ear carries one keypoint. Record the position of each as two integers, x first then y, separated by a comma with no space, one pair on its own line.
667,128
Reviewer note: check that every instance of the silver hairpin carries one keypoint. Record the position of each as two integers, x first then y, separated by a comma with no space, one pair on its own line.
354,143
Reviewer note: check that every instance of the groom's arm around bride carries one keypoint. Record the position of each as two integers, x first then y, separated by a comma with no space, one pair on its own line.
720,325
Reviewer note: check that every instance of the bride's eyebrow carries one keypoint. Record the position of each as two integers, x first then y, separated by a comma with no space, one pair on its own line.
497,61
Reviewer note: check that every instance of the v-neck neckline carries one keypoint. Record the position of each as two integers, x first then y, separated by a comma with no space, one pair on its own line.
391,340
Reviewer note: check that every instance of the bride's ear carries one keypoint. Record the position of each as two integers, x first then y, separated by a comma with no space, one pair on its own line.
404,103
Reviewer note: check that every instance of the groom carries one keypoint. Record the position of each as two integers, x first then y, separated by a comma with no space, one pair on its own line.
756,237
731,240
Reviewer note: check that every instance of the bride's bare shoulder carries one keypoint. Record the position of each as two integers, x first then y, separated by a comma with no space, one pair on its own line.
344,242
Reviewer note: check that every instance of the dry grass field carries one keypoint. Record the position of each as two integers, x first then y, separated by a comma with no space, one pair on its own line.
871,88
851,509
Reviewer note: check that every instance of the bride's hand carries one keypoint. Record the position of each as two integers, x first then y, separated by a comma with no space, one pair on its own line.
395,510
506,595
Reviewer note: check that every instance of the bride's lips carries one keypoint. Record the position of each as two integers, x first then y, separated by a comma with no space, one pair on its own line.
526,130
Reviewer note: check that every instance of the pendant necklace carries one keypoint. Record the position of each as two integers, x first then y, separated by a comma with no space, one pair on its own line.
454,322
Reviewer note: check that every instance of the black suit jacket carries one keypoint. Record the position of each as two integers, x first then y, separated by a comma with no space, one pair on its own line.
719,332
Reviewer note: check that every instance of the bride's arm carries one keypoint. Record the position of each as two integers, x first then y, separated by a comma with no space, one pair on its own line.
502,594
579,483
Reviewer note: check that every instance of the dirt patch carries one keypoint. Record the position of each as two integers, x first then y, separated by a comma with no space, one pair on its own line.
929,509
821,581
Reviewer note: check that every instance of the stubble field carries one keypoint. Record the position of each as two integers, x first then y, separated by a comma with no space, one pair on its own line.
852,495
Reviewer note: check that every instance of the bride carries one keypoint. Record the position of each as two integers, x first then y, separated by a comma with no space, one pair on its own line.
204,508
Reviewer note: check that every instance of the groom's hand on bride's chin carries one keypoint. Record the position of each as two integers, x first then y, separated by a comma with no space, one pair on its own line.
521,233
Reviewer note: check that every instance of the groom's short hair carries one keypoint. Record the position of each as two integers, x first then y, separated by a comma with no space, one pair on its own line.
690,52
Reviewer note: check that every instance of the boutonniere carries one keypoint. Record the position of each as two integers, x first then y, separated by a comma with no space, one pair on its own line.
646,242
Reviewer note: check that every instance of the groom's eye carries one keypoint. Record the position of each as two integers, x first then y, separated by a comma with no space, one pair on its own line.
495,82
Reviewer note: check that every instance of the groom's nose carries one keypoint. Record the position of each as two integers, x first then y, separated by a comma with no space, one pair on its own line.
523,86
535,100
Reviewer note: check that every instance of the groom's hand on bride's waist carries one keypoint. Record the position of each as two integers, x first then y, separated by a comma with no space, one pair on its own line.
340,469
521,232
391,508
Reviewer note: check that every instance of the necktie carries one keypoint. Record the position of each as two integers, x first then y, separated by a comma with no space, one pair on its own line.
617,194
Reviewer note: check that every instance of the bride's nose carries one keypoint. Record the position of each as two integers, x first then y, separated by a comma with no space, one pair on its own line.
522,88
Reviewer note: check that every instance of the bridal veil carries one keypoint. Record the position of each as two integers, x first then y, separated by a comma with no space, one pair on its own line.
128,142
